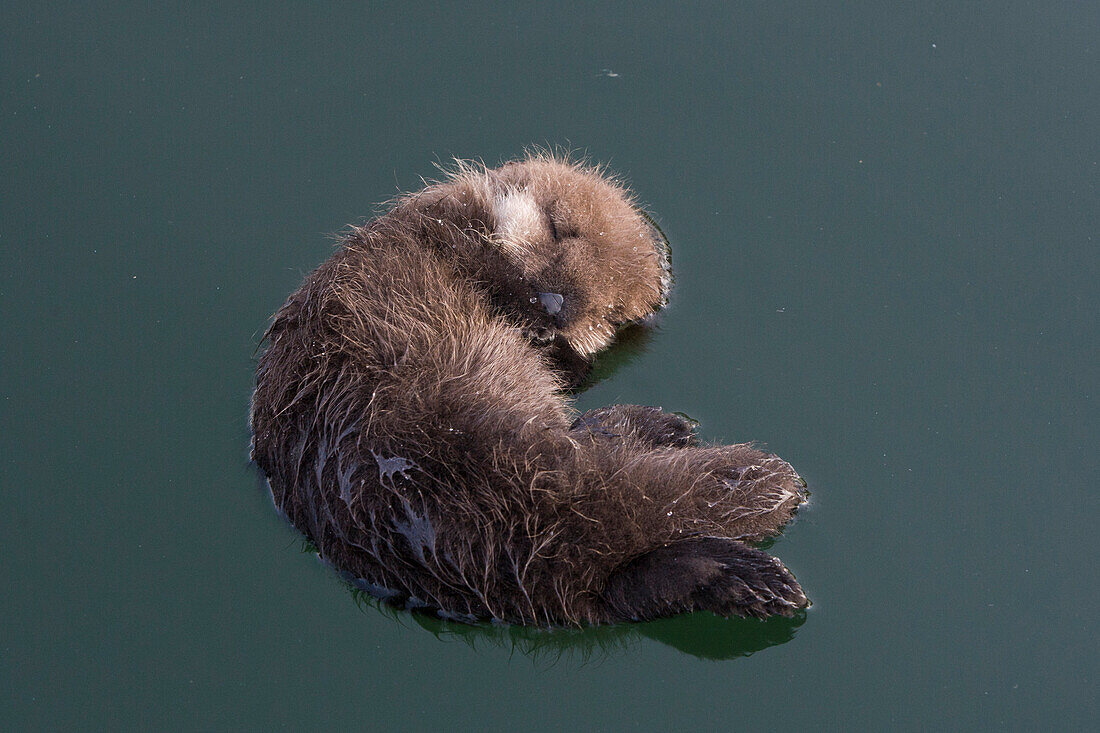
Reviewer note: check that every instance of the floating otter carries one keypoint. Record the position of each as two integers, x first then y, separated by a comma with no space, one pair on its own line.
409,415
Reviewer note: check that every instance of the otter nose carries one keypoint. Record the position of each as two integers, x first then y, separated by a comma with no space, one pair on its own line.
552,302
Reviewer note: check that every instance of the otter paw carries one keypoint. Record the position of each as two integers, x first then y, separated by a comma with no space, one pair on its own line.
648,425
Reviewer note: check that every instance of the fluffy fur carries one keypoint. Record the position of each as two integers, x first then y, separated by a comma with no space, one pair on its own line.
410,418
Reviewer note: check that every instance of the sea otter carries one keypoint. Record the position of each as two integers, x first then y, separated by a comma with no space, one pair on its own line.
411,418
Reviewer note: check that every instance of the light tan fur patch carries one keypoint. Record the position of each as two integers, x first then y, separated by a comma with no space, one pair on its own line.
518,220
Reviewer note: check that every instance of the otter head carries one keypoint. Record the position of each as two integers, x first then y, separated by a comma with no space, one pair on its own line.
573,257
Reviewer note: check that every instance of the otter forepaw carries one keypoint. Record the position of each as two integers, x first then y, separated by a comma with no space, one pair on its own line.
649,425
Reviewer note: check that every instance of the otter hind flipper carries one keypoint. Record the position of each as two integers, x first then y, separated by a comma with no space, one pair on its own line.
723,576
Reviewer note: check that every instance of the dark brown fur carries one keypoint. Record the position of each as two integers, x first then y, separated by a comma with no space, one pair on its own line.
410,418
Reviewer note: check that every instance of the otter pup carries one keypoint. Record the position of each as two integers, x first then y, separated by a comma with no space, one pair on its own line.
410,418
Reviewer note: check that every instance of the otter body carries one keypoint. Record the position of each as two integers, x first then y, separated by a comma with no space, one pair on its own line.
410,418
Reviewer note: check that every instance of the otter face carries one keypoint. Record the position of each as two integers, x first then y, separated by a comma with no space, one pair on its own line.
580,258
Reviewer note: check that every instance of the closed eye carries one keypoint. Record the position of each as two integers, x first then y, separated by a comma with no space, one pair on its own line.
559,225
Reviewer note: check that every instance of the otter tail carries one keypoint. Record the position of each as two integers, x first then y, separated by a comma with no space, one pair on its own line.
723,576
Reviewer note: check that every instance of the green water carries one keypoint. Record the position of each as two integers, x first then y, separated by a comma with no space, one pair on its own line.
884,225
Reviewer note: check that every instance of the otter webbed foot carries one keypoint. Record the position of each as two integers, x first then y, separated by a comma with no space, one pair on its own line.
760,492
746,492
649,425
723,576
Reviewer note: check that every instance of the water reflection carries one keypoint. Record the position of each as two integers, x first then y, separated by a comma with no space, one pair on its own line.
630,342
700,634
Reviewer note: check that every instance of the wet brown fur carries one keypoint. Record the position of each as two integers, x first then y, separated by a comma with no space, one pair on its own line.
410,418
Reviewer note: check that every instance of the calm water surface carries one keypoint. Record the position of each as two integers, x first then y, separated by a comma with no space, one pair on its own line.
884,225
